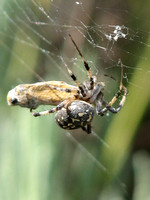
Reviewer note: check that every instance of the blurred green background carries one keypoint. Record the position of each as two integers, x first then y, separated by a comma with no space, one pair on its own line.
39,160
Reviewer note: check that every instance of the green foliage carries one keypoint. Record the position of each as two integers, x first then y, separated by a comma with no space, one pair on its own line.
41,161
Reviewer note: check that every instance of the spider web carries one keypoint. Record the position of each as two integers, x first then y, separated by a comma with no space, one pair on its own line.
102,34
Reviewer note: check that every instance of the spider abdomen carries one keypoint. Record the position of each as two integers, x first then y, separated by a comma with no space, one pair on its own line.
78,114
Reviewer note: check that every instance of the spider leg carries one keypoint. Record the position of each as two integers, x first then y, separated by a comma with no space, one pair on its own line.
87,129
46,112
74,78
85,63
108,106
121,88
115,110
58,107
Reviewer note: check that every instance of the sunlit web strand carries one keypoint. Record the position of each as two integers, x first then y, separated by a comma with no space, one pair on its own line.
100,139
22,62
42,10
32,42
83,149
35,32
13,22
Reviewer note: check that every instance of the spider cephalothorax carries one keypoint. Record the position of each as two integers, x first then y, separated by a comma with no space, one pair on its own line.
74,104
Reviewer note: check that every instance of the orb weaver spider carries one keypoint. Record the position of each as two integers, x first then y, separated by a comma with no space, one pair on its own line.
74,104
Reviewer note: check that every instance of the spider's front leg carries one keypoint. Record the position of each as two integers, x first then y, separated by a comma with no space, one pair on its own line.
47,112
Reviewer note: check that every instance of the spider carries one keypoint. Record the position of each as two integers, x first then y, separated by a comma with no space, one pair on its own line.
74,104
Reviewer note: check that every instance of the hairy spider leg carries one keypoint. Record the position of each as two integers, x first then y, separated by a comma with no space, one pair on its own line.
108,106
74,78
85,64
58,107
87,129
